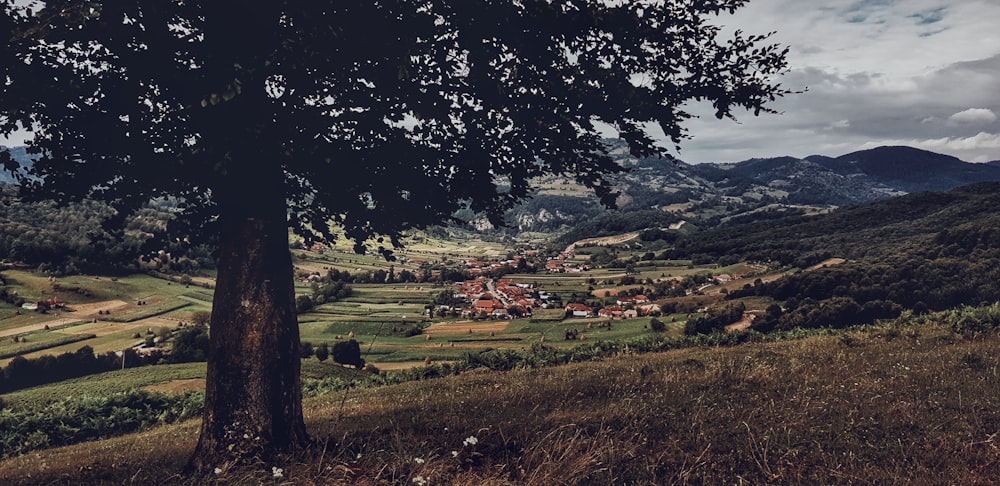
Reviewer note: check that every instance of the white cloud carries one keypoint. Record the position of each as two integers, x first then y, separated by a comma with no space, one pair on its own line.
973,116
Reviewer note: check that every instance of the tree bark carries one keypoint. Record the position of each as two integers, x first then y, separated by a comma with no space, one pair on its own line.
253,397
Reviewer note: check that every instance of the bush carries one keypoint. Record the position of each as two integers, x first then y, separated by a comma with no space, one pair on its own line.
349,353
191,344
413,331
657,325
303,304
201,318
322,352
84,418
972,321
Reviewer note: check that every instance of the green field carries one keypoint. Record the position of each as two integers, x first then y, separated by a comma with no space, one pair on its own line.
165,304
380,315
103,384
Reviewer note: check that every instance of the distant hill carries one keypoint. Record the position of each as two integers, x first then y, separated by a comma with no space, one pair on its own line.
863,176
707,195
912,170
714,193
873,230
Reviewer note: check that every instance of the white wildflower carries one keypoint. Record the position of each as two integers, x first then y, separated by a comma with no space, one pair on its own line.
277,472
418,460
470,440
218,470
419,480
454,453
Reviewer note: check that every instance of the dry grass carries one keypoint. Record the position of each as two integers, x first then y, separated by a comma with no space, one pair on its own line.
907,405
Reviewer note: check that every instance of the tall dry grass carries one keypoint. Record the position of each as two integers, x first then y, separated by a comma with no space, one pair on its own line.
913,405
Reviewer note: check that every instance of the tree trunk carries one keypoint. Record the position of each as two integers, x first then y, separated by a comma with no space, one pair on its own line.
253,396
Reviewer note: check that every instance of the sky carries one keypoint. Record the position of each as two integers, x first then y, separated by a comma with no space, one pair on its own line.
922,73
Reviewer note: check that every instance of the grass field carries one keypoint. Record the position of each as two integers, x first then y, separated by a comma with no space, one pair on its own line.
379,315
87,298
103,384
890,405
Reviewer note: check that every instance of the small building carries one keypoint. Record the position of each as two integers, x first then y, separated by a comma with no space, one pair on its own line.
579,310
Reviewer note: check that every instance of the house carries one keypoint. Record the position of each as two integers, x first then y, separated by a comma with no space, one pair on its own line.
637,300
579,310
554,266
649,309
611,312
487,305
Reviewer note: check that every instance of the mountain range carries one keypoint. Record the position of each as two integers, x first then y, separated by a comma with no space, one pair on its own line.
711,193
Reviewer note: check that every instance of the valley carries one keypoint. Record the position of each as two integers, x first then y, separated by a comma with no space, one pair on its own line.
623,287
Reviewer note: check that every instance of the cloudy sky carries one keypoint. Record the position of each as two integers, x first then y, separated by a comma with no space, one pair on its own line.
923,73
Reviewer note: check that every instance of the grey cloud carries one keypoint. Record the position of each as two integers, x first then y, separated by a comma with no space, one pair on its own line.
973,116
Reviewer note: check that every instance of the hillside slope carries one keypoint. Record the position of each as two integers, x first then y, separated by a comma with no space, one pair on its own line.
903,403
711,193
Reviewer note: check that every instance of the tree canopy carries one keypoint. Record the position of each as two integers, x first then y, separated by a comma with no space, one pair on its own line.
365,117
380,115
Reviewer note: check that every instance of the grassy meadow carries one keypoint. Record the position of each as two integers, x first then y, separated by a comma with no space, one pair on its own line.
907,401
101,312
911,403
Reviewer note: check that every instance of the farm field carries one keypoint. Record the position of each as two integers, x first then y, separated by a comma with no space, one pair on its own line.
102,312
379,317
389,321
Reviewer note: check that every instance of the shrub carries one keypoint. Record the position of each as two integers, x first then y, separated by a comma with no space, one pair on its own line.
322,352
657,325
83,418
973,321
303,304
201,318
190,345
349,353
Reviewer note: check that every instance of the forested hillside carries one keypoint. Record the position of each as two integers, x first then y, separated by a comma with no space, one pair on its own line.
66,239
921,252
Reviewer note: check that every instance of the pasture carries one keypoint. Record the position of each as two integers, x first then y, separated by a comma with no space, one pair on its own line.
102,312
390,321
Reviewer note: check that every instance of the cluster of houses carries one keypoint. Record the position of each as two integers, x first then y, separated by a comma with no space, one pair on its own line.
725,277
560,265
509,299
506,300
624,308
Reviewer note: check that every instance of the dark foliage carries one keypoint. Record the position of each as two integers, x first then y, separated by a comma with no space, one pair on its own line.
322,352
347,352
21,372
715,319
190,344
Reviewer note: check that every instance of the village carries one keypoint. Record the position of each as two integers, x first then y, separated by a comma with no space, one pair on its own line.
505,298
